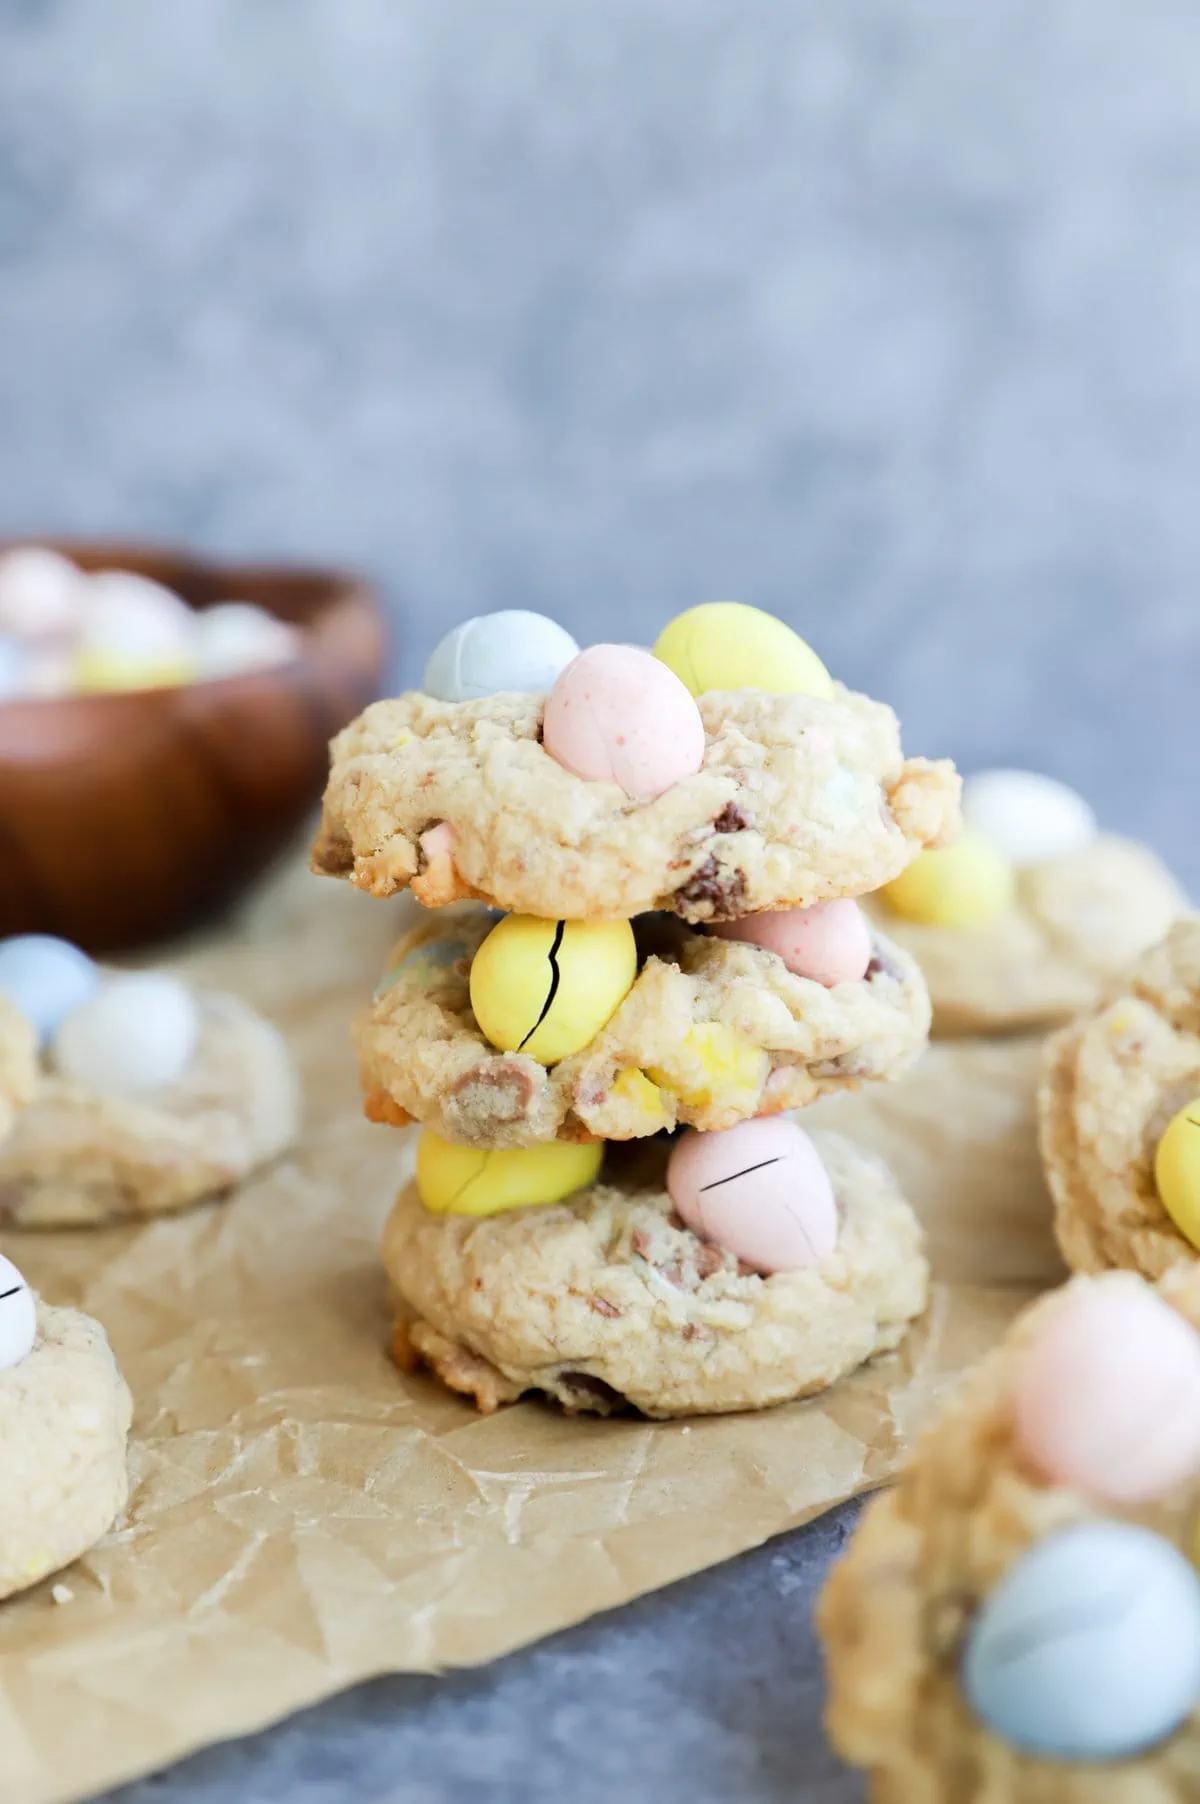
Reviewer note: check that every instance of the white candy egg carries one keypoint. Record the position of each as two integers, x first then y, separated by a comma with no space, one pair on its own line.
41,593
236,636
18,1316
138,1033
497,653
46,978
1031,818
14,667
132,616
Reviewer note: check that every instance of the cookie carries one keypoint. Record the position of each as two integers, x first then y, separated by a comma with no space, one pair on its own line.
64,1419
1110,1085
931,1585
798,799
79,1156
725,1029
607,1302
1075,924
18,1063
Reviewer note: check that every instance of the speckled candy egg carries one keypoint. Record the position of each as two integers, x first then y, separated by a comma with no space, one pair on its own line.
18,1316
759,1190
137,1034
1030,818
548,987
727,645
1089,1646
459,1180
510,652
47,978
829,942
1108,1397
619,715
40,594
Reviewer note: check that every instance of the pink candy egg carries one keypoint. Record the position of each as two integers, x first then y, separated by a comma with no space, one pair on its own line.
616,714
1108,1398
829,942
759,1190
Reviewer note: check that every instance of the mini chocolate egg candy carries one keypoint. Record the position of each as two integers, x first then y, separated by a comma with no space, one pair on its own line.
965,884
134,634
619,715
1028,817
727,645
548,987
759,1190
1177,1171
18,1316
829,942
14,667
236,636
513,652
427,959
47,978
460,1180
137,1034
1108,1396
1089,1646
41,594
714,1062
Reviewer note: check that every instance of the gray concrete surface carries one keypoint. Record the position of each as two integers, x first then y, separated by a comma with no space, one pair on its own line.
880,314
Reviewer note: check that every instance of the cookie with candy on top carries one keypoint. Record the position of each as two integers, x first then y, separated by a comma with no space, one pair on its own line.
723,1271
1018,1620
723,774
508,1030
64,1422
147,1096
1031,912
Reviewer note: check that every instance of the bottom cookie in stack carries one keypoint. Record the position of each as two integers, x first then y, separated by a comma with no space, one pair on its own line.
607,1300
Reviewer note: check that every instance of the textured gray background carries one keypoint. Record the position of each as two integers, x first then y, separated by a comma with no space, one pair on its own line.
879,313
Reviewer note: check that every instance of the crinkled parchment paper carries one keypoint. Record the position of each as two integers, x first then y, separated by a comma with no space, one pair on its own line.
303,1516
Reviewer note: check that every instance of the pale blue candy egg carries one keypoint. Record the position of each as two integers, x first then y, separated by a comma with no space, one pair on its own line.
46,978
13,663
426,960
1089,1647
494,653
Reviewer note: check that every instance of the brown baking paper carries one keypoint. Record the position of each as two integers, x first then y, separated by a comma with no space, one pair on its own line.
304,1516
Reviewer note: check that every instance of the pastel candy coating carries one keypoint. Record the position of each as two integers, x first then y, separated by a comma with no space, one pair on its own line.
965,884
829,942
1030,818
714,1062
40,593
98,673
510,652
616,714
129,616
47,978
548,987
727,645
18,1316
1177,1171
1108,1396
759,1190
459,1180
1088,1649
237,636
137,1034
427,959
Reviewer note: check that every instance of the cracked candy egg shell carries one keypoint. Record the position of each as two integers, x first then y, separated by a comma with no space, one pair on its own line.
548,987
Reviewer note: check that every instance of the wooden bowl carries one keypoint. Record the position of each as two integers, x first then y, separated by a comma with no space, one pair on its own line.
127,817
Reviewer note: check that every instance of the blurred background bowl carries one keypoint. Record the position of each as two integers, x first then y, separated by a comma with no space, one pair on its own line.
127,817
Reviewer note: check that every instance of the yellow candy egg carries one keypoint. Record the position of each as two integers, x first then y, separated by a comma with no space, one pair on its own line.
727,645
460,1180
548,987
960,885
95,672
641,1099
1177,1171
714,1064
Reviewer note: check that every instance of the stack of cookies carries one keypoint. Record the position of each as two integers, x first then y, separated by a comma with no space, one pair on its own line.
640,949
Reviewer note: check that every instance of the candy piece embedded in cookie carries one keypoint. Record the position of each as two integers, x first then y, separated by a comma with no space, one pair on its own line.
18,1062
82,1153
1112,1085
1003,1629
64,1420
799,799
711,1031
607,1301
1007,947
